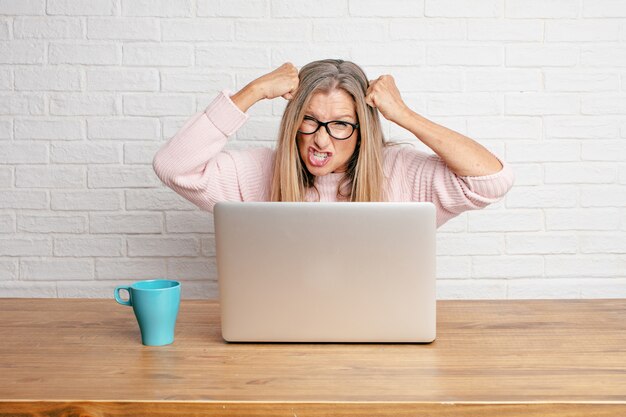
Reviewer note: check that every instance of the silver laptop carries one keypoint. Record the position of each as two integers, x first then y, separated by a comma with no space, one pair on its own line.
326,272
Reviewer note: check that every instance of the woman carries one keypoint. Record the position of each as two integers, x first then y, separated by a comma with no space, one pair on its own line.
330,148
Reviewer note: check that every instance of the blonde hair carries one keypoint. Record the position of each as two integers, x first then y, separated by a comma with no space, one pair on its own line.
364,174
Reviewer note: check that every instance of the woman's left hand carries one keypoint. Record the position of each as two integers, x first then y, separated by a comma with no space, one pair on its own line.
385,96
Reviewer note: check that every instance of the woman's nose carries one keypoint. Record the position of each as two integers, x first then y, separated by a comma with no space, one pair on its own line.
322,138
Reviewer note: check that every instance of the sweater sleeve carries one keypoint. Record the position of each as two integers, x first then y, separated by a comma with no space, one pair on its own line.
431,180
194,164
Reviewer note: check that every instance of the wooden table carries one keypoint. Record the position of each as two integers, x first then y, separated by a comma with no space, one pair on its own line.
77,357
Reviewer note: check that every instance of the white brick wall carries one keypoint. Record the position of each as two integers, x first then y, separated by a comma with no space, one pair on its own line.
90,89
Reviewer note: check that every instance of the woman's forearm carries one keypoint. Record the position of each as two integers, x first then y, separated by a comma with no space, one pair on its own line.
464,156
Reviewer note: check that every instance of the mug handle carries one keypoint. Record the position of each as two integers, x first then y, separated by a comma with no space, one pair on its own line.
116,294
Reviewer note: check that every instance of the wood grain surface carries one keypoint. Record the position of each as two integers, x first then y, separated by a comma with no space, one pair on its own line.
79,357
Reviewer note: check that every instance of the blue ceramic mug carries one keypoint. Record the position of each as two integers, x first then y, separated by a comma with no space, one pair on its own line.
155,303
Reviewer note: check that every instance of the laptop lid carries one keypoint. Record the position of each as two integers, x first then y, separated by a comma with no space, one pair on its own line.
326,272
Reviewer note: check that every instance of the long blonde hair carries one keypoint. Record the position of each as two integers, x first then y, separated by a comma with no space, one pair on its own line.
364,174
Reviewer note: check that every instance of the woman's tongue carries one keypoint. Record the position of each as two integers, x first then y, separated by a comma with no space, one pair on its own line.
318,159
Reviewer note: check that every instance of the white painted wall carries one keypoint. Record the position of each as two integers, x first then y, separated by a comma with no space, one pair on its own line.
90,89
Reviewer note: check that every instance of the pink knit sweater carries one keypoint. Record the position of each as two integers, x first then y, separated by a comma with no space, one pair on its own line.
195,165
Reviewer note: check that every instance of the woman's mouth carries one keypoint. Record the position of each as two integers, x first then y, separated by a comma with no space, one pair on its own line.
319,159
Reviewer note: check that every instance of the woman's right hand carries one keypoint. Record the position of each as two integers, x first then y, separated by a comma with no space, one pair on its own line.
283,81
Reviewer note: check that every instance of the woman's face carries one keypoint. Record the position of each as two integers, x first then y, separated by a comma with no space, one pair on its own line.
321,153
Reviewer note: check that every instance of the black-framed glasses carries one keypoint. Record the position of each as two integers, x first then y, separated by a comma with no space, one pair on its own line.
337,129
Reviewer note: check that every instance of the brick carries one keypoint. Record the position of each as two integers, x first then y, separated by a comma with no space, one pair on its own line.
504,80
505,221
368,54
86,153
541,56
539,104
207,245
418,80
585,266
581,81
91,53
279,30
192,269
462,8
199,290
262,129
504,127
602,288
542,289
608,242
188,81
298,56
140,153
82,104
7,223
81,7
579,173
582,219
159,8
8,270
603,150
32,176
483,244
47,28
25,246
166,55
507,267
505,30
603,196
24,104
581,31
347,30
430,29
541,243
125,223
602,56
232,57
580,127
189,222
51,224
89,289
23,153
121,177
603,104
374,8
23,199
464,55
56,269
35,129
84,246
6,79
91,200
464,104
454,267
4,30
158,105
162,246
123,28
24,7
128,79
461,289
6,177
548,196
603,8
20,289
155,199
38,79
130,269
202,30
456,224
6,129
541,9
22,52
246,8
131,128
